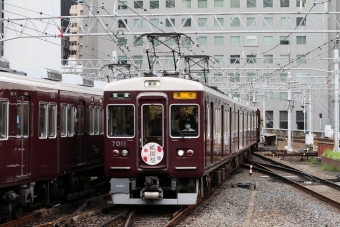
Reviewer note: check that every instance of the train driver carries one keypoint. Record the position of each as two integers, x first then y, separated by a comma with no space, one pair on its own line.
187,125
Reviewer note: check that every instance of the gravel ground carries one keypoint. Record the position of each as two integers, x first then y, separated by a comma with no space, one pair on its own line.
276,204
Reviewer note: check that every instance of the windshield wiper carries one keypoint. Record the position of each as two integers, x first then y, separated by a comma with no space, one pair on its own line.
179,131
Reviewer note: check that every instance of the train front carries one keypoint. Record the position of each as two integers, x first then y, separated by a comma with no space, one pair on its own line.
154,143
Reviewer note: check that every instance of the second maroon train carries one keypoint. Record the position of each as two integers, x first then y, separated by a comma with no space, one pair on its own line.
51,137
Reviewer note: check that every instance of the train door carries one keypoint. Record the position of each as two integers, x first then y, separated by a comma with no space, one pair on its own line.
23,135
80,135
152,128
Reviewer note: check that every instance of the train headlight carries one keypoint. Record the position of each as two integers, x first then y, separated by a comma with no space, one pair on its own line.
190,152
125,153
180,153
115,152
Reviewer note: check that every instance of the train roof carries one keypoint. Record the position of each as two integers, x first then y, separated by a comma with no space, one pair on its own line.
165,84
38,81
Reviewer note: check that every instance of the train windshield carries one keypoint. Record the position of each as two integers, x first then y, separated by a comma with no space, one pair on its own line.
121,121
184,120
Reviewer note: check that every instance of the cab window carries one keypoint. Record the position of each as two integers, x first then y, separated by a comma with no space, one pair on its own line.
184,120
120,121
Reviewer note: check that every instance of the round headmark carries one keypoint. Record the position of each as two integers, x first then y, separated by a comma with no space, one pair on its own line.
152,153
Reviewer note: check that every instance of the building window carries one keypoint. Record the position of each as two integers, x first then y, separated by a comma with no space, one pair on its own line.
284,119
267,3
138,4
234,40
201,22
268,21
236,95
301,77
301,120
154,4
301,3
218,3
284,21
300,39
169,41
122,23
235,22
235,77
234,59
187,22
234,3
138,59
300,59
267,40
269,119
284,3
251,40
202,4
170,23
122,41
218,58
251,3
139,43
138,23
251,77
122,59
218,77
284,40
122,4
154,22
186,4
218,22
203,40
186,41
284,78
218,40
170,4
251,58
284,58
301,21
268,59
251,21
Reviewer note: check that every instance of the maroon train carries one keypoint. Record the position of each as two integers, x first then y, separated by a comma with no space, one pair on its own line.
168,139
51,138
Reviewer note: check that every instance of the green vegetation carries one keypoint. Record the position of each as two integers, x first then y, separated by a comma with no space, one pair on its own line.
330,168
333,155
313,161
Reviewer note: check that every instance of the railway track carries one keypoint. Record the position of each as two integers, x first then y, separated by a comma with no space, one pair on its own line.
320,188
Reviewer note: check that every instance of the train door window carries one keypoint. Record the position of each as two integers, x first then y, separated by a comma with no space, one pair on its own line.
226,122
91,120
184,120
241,122
70,120
96,121
52,120
3,119
63,119
42,120
208,120
120,121
153,124
101,120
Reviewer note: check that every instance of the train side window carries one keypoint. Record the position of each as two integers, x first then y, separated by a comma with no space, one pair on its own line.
63,120
120,120
241,122
42,120
96,121
3,119
25,118
70,120
101,120
184,120
52,120
91,120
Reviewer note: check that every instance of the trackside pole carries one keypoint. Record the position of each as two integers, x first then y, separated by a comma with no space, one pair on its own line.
250,169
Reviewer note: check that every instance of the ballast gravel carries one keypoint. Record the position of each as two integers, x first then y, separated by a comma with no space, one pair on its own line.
276,204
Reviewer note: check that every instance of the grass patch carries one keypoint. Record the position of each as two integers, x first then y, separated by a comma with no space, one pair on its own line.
313,161
333,168
332,155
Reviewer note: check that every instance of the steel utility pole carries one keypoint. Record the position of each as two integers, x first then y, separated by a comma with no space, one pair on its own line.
336,101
